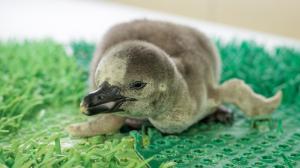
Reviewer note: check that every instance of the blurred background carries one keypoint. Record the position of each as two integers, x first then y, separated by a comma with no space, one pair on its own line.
268,22
272,16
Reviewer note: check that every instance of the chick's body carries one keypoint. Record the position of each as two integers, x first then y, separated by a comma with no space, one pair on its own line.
163,72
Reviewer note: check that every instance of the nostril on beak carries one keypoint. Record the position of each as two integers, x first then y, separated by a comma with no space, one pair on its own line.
100,97
96,99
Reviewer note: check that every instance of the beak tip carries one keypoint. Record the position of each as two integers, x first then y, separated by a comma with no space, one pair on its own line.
83,108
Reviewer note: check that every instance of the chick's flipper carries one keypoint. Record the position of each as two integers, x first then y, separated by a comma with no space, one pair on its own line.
102,124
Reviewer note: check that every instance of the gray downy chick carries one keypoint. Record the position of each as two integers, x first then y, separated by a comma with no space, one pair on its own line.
162,72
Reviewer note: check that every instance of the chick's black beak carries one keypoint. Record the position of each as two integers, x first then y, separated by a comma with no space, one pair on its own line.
106,99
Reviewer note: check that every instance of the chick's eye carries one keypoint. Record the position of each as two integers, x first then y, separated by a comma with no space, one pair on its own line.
137,85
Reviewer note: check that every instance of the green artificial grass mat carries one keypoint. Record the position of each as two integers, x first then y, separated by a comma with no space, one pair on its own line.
41,86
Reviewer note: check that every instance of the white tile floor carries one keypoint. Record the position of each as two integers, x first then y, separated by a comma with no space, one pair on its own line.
66,20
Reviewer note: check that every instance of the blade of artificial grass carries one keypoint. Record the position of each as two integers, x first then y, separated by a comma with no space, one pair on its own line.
35,75
40,90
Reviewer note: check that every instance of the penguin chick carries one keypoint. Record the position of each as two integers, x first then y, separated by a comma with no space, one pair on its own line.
165,73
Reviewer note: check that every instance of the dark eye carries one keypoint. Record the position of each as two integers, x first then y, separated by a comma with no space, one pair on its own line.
137,85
